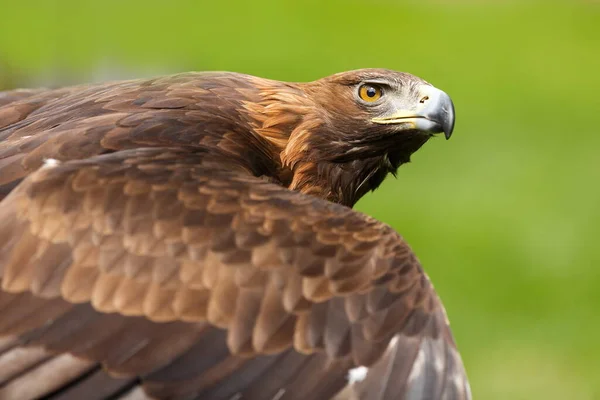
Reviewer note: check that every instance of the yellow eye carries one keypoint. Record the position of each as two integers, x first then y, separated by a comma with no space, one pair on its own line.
370,93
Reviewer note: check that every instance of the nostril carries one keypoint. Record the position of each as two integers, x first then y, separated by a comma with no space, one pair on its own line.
424,99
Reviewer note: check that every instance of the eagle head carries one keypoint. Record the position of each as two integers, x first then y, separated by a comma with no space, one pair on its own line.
342,134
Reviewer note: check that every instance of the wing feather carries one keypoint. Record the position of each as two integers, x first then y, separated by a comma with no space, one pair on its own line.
184,275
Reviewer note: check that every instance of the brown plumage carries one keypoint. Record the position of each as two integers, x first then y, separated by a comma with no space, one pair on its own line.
192,237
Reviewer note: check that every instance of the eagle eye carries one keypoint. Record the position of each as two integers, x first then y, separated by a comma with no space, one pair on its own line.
370,93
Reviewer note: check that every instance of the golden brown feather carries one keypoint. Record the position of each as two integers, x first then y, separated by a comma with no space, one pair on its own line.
192,235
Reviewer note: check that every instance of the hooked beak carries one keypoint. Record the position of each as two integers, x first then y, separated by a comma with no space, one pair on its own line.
433,113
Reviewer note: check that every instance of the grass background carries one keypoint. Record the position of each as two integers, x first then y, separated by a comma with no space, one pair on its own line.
505,216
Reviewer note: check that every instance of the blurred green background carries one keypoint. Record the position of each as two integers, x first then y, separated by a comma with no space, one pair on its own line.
505,216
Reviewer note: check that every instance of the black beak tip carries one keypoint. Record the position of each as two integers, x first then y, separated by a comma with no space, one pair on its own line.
448,125
448,133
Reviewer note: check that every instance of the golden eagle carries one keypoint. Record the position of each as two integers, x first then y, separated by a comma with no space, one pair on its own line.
192,237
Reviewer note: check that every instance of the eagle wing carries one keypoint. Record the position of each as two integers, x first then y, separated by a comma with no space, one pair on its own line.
174,273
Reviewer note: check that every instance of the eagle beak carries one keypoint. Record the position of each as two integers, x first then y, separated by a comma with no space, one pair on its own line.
434,113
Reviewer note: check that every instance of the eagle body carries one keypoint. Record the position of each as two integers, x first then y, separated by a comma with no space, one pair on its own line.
192,237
